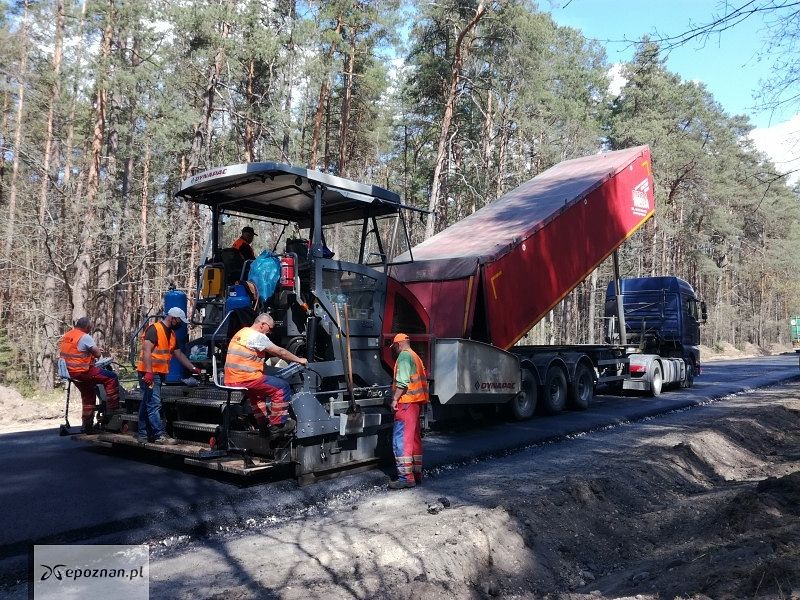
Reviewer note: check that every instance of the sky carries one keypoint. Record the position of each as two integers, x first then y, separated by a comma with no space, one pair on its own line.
731,64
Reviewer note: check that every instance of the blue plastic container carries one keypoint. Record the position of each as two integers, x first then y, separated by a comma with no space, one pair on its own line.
172,299
237,298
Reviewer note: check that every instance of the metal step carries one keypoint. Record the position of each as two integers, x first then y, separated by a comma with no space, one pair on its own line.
190,449
196,426
186,449
235,465
338,406
129,418
182,393
201,402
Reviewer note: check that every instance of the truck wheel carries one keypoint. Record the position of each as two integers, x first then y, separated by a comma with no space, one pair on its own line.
689,381
656,380
555,391
581,391
523,405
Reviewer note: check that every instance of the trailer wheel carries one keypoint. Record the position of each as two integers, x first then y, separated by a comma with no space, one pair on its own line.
689,381
523,405
555,390
656,380
581,391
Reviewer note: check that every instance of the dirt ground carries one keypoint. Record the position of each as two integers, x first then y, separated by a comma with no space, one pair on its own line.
18,413
701,503
43,410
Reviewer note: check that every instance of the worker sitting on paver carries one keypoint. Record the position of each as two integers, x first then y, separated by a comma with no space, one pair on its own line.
409,396
244,367
244,243
79,351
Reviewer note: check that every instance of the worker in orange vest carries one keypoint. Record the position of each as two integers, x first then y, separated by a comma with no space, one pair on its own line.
79,351
243,243
244,367
157,349
409,396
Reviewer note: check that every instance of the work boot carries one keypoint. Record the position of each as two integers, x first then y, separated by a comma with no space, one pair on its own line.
165,440
88,426
284,428
401,484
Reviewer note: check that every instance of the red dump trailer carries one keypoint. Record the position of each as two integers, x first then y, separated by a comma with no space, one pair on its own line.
482,283
493,275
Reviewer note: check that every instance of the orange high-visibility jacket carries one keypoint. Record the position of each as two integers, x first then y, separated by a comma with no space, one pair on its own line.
245,249
417,390
77,361
162,352
243,364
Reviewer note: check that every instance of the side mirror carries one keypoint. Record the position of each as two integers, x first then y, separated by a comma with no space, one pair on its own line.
703,312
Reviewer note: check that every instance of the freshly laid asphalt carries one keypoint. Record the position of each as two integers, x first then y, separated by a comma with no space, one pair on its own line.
56,490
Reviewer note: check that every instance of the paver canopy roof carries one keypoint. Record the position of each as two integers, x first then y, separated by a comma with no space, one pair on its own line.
283,192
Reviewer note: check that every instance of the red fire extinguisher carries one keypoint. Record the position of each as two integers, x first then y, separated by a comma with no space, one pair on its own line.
287,271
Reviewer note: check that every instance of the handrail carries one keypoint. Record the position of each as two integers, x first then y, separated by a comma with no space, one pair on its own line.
230,446
135,336
216,331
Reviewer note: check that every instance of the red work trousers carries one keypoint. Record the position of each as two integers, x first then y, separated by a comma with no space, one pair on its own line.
279,393
407,441
87,382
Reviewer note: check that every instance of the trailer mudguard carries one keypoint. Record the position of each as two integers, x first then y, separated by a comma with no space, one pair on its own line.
470,372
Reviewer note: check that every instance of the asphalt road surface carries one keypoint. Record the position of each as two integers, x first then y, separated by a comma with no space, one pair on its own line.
56,490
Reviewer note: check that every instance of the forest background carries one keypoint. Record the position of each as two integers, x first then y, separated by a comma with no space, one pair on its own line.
105,106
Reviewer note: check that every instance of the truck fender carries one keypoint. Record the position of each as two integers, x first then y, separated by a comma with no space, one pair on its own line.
529,366
651,364
584,362
541,365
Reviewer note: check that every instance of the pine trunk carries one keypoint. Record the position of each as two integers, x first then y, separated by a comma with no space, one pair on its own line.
344,121
288,83
144,240
11,209
249,129
203,129
322,102
80,288
447,117
50,322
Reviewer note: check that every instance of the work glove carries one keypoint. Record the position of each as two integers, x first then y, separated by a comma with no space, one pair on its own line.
195,371
148,378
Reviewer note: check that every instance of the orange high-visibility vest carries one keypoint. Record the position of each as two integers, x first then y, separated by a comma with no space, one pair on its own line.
77,361
247,253
162,351
417,390
243,364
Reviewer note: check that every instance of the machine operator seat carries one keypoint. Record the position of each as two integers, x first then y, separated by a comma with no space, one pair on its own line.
233,263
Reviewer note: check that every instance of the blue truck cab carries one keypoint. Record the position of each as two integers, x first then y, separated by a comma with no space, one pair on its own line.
662,319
